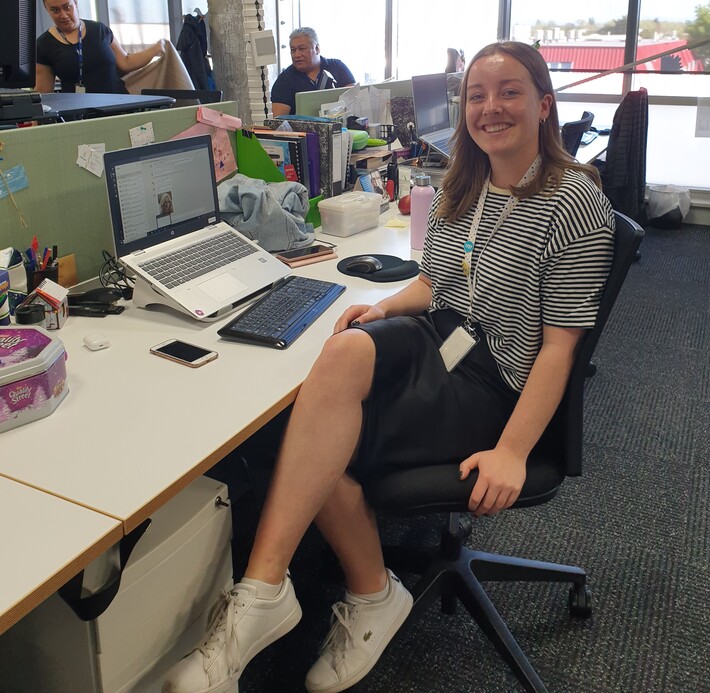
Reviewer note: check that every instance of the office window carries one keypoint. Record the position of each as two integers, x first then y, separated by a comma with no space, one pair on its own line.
660,29
577,40
138,24
424,30
355,34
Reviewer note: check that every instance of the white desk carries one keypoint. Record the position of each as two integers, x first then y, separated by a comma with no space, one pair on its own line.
589,152
44,542
135,429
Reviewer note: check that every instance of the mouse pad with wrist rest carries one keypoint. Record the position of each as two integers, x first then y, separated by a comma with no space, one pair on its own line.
394,269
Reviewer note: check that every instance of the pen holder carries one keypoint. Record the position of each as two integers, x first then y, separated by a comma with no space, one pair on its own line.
36,277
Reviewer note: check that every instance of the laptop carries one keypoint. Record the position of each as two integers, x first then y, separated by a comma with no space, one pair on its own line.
431,112
167,230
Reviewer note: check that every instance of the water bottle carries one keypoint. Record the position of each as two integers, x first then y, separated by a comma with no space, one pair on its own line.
422,195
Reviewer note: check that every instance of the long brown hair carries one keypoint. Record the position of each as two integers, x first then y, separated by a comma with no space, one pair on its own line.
470,165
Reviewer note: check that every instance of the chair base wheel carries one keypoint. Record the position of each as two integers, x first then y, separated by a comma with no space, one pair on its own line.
580,601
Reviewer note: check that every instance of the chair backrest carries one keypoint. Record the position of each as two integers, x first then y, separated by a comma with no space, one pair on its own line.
187,97
563,437
572,132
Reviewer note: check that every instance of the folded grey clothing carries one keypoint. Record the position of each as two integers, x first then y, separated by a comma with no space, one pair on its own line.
272,214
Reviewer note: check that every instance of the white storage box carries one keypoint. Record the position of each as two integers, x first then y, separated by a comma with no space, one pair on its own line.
350,213
172,579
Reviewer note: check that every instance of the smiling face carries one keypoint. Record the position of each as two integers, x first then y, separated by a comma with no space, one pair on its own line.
64,14
504,110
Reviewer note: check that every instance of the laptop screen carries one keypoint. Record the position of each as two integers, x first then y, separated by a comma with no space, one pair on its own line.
160,191
431,103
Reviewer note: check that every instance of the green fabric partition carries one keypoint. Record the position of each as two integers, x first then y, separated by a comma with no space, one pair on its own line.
66,205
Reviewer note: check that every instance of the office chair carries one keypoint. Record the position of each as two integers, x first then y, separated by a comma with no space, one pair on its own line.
572,132
452,571
186,97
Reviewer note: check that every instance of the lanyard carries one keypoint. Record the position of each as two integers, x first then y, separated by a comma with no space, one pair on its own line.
79,52
468,246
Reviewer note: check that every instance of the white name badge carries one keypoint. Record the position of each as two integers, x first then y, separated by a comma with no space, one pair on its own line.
80,89
456,346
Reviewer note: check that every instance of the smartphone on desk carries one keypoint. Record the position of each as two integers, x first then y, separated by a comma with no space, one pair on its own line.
304,256
182,352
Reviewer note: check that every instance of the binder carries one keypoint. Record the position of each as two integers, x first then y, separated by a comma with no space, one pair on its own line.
298,153
253,161
284,154
331,153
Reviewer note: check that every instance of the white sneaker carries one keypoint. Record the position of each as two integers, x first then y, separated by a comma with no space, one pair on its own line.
358,636
244,626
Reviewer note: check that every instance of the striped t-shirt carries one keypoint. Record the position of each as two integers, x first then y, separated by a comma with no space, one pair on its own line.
547,263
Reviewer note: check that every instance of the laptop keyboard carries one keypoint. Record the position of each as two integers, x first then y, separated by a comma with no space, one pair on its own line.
442,145
195,260
283,314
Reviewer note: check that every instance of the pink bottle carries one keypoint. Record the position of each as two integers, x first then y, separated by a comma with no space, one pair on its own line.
422,195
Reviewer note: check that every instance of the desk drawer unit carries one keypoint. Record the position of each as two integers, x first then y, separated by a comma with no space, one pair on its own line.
172,580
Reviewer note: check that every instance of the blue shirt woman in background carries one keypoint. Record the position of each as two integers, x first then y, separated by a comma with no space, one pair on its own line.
84,55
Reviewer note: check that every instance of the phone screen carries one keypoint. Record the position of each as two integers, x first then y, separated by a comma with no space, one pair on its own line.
183,351
304,252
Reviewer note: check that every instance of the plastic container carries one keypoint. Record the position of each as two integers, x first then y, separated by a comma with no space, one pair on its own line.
33,378
422,195
350,213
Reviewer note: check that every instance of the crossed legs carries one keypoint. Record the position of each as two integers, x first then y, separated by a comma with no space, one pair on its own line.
310,482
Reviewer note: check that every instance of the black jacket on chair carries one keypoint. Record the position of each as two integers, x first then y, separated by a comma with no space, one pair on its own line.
192,46
624,175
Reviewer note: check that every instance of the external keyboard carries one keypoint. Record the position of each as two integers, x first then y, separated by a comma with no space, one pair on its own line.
194,260
282,315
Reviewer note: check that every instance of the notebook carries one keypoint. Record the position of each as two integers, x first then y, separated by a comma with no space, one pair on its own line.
167,230
431,111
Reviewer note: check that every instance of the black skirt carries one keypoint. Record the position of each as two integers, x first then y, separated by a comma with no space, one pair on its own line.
420,414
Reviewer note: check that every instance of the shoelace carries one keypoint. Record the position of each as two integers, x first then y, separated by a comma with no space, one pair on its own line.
340,633
223,621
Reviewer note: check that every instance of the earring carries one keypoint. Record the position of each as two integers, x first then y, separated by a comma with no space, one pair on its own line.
542,121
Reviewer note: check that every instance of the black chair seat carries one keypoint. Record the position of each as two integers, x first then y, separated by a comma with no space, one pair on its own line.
438,489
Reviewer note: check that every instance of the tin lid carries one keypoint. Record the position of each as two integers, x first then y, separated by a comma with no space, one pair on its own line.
26,351
422,179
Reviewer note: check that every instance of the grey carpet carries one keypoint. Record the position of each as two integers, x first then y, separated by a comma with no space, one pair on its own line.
638,521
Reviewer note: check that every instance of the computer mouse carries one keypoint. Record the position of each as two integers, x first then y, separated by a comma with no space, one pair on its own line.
364,264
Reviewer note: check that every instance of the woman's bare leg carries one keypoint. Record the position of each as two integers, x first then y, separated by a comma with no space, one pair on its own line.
322,433
349,525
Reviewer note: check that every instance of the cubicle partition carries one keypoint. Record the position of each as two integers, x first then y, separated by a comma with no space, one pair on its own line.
65,204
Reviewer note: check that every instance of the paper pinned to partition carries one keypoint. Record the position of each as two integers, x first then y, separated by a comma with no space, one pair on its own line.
91,157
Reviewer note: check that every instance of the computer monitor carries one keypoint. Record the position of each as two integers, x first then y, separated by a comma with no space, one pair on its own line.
18,36
308,103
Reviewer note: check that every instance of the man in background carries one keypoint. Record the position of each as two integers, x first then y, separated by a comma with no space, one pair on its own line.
310,71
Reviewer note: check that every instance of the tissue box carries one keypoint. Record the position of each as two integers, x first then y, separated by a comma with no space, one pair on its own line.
33,378
350,213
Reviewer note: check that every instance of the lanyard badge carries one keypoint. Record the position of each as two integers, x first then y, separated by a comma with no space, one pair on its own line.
78,46
464,337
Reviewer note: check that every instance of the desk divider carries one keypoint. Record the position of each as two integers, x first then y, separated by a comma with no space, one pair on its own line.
66,205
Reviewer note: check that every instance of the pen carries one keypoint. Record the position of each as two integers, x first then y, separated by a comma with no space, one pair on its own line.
35,253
